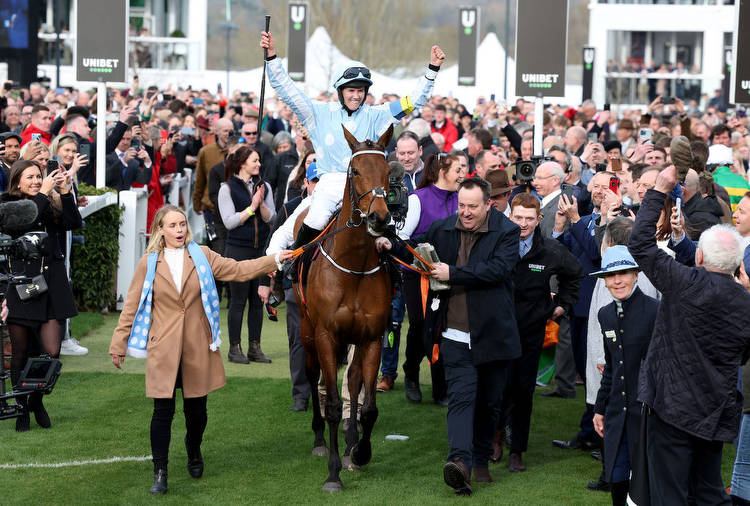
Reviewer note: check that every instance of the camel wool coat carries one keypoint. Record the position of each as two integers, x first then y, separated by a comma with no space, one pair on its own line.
180,332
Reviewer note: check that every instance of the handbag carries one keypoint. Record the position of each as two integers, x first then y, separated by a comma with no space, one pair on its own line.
37,287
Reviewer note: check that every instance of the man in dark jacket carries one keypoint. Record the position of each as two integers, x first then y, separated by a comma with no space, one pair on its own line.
127,165
540,259
689,377
475,323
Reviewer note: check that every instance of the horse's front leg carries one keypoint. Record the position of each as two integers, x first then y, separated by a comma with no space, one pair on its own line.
354,384
362,451
326,347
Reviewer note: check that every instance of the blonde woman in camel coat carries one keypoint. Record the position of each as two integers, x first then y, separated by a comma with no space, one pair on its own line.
178,347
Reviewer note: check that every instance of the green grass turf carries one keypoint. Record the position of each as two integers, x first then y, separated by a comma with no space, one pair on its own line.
257,451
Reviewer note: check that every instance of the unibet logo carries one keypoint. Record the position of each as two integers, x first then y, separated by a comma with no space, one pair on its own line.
468,19
100,65
540,80
745,85
588,56
297,15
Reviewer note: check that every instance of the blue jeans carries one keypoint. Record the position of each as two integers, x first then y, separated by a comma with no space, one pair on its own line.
741,472
389,356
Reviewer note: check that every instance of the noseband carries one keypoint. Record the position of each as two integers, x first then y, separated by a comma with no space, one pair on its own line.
378,192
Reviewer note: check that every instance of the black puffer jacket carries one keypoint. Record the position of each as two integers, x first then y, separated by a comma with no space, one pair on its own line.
534,304
701,337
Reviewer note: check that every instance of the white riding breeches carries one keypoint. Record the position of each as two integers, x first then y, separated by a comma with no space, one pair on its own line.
325,199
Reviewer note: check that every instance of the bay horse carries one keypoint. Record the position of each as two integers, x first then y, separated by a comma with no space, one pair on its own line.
347,300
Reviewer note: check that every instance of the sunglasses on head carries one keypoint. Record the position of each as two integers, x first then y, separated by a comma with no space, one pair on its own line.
353,72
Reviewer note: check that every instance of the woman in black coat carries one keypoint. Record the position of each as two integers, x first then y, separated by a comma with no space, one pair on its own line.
42,316
627,325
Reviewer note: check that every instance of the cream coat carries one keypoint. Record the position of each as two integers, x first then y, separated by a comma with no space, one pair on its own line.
180,332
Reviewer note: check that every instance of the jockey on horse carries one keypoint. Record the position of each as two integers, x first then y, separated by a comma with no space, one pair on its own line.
324,122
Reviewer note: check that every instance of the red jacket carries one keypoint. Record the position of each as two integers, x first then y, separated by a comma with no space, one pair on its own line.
31,129
155,196
449,133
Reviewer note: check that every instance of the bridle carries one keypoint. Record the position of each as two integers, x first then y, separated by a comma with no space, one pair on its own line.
357,213
379,192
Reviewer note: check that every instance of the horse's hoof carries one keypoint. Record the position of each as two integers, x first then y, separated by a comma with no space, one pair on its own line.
348,464
361,453
320,451
332,486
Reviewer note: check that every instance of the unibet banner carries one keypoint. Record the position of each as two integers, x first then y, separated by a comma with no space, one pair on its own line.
102,41
740,83
541,47
468,40
297,43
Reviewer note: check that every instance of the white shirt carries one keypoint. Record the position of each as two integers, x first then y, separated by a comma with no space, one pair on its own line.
457,335
412,217
549,198
175,259
284,235
120,154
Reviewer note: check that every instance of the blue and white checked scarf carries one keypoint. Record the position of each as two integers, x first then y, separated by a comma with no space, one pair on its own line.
210,297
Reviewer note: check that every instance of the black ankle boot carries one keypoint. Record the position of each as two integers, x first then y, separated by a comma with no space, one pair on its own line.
235,354
255,354
23,422
160,482
619,493
304,236
195,460
40,414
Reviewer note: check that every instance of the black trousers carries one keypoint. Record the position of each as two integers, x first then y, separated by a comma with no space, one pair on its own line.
241,293
518,399
475,396
415,344
196,418
682,466
300,385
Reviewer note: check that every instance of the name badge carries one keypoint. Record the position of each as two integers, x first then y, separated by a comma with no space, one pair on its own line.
610,334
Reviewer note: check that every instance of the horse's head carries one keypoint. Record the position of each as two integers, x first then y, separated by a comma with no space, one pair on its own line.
368,180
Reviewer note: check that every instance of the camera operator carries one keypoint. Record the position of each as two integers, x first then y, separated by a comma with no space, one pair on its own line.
43,314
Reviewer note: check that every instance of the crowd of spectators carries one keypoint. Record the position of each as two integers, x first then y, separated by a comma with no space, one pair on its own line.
600,167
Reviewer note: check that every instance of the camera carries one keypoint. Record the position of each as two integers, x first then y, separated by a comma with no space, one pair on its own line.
525,169
397,199
39,374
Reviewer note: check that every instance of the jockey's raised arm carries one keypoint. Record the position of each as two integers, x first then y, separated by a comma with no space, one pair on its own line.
325,121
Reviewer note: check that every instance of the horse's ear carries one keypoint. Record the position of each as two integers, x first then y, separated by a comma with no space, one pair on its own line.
385,139
353,142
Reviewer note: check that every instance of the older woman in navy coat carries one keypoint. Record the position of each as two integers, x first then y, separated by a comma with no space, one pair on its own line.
627,325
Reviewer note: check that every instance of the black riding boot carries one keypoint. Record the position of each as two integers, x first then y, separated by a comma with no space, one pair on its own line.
304,236
619,493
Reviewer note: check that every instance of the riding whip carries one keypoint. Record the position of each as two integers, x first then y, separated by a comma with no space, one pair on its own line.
263,82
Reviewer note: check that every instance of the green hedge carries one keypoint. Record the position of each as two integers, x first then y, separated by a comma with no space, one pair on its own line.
94,263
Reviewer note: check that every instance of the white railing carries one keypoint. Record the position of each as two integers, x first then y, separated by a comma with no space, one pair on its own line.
633,88
132,238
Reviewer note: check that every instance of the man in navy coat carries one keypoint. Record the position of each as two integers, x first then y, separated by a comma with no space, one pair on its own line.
475,324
